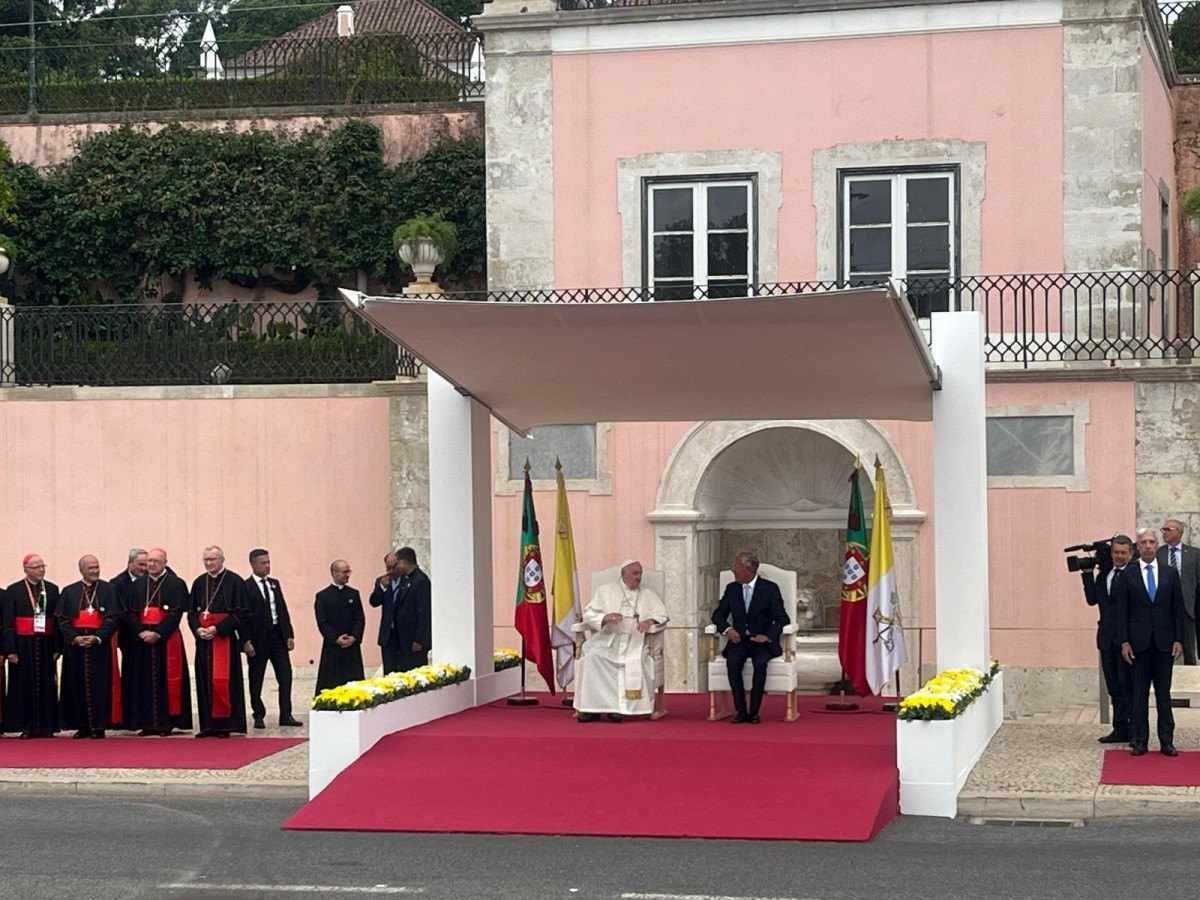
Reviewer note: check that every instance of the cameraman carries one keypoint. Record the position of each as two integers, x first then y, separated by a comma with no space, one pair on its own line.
1117,675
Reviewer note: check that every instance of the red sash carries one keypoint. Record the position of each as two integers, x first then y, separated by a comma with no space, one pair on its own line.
87,618
90,618
25,627
222,705
153,615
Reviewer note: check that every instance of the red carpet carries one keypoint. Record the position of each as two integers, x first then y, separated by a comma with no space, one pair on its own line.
183,752
506,770
1153,769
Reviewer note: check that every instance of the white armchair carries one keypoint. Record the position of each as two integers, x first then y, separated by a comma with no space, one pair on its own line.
781,672
655,581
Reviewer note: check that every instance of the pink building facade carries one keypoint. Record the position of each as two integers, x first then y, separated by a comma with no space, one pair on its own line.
713,147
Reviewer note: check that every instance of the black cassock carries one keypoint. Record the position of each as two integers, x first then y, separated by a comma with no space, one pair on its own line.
124,597
220,695
91,682
156,689
31,703
339,611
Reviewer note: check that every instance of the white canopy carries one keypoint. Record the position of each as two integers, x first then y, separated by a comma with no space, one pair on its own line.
833,355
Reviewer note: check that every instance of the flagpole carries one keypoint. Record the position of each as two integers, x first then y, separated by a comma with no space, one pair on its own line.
842,705
522,699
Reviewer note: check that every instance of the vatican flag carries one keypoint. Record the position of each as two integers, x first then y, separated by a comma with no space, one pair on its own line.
565,588
885,636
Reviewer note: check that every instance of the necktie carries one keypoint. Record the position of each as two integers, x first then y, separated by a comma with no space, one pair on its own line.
746,593
1151,587
1175,558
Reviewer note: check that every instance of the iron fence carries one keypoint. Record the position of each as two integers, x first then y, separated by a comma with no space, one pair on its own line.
217,343
1182,21
356,71
1031,319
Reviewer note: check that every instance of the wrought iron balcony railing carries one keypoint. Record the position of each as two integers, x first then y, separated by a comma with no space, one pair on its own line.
341,71
219,343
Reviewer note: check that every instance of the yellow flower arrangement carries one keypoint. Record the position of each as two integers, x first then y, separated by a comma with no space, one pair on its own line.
948,693
373,691
505,658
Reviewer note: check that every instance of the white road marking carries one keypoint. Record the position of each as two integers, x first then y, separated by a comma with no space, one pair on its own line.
291,888
637,896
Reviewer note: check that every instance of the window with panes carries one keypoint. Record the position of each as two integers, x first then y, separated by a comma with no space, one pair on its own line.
700,237
901,224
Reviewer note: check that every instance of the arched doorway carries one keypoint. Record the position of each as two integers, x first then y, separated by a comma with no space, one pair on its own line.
779,488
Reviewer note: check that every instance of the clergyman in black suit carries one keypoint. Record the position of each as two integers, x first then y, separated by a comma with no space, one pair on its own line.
1150,628
273,639
751,616
405,629
1184,559
341,622
1118,676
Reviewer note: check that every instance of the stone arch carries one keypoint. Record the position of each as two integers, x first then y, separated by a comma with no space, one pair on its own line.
693,455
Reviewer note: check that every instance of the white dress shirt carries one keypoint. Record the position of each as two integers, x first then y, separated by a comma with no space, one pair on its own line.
269,596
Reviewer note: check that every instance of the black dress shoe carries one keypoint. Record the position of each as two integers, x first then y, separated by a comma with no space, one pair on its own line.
1114,737
1137,750
739,719
754,720
614,717
81,733
588,717
1169,750
290,723
259,723
97,735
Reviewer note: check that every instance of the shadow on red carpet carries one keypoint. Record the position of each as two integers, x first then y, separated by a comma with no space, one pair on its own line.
1151,770
510,770
118,752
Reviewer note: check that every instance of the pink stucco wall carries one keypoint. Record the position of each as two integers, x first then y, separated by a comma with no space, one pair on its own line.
796,98
306,478
1158,160
1038,617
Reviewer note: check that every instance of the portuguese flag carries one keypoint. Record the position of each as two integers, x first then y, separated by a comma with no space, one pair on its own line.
852,628
531,619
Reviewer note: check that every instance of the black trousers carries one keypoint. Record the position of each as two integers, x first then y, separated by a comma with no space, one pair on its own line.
1152,667
401,659
1118,679
276,652
735,658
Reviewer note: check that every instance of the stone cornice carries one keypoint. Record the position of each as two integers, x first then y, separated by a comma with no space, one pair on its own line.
716,9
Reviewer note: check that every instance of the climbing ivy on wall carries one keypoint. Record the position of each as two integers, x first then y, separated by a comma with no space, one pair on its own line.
258,208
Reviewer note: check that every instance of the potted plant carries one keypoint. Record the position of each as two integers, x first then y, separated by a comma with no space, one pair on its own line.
424,243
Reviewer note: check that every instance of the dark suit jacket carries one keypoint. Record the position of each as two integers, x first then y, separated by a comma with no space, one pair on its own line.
1189,573
1099,595
260,614
767,615
1143,624
123,589
406,613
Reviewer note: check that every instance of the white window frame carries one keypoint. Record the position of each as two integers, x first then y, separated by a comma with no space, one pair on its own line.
700,230
1080,413
899,200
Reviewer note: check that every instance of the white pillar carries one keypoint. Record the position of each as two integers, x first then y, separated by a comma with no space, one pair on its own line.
460,527
960,525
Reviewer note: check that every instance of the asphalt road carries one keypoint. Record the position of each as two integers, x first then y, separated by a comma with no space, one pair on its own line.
99,847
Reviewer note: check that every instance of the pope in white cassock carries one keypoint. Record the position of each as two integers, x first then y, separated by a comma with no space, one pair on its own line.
618,669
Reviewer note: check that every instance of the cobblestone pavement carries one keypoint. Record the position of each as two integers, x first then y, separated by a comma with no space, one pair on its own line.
280,775
1047,766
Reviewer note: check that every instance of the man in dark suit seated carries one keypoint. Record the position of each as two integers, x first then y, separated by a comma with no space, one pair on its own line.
1117,674
751,616
405,629
1150,629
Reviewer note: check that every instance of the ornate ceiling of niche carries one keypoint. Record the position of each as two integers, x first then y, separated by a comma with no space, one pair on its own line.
785,474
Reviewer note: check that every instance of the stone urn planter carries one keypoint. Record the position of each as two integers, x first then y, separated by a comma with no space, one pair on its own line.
423,256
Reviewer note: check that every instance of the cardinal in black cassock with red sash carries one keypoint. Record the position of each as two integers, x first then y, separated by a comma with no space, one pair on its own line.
89,621
155,687
218,614
31,703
